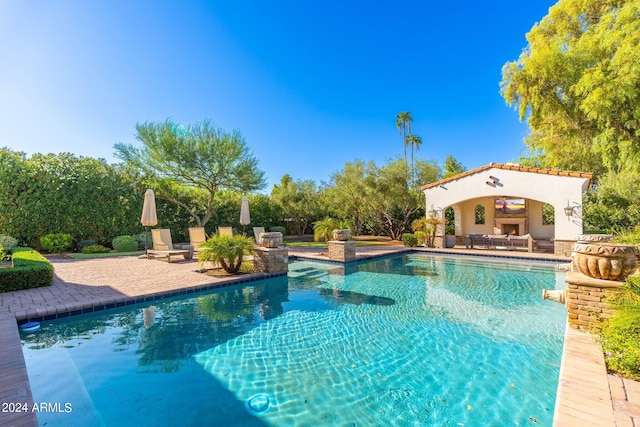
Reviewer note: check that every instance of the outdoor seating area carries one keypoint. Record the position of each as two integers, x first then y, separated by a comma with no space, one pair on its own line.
500,241
164,247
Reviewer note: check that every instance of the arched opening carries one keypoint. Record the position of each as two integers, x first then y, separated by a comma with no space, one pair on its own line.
450,222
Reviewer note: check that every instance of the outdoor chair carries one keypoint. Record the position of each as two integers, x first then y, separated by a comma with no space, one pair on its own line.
163,245
256,234
197,237
225,231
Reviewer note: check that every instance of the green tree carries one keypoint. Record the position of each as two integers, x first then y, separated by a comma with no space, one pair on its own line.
391,203
452,167
188,167
615,203
427,171
347,193
577,84
403,123
298,201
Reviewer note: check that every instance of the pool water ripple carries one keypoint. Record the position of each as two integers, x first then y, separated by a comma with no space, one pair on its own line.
413,340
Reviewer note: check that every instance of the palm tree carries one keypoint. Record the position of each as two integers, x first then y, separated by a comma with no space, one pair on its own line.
323,229
225,250
415,142
403,123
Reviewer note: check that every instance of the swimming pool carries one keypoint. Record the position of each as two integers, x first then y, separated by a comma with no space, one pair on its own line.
408,340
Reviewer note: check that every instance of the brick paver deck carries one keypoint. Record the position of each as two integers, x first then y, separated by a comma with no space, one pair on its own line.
105,282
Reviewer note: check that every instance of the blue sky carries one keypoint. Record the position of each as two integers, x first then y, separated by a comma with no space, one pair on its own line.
311,85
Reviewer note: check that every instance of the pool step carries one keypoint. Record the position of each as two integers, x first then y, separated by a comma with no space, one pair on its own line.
312,273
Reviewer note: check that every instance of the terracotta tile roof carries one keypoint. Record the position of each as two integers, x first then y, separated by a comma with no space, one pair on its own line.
510,167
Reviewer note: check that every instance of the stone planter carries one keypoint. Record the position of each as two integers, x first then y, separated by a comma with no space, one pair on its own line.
272,239
594,238
449,241
606,261
342,235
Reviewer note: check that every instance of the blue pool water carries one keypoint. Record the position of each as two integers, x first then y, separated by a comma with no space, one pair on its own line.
412,340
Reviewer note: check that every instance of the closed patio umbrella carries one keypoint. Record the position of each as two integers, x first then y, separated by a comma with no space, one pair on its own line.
245,219
149,217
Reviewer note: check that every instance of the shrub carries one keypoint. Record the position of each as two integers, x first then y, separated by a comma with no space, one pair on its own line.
619,334
279,228
83,244
29,270
409,239
124,244
95,249
140,239
421,236
56,242
8,242
628,237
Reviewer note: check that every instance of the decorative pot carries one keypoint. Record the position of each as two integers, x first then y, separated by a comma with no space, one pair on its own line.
342,235
272,239
606,261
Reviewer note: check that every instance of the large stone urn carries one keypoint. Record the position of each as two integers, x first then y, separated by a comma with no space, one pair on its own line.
272,239
594,238
342,235
606,261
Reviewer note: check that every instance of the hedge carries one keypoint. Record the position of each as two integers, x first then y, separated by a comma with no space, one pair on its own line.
29,270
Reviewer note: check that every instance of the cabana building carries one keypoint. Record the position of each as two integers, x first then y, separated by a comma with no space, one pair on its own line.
504,201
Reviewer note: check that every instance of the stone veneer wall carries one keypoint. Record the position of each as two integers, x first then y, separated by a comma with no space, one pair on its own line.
563,247
342,251
438,242
586,300
270,260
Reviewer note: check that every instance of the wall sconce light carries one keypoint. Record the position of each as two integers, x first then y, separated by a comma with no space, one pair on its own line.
568,211
432,212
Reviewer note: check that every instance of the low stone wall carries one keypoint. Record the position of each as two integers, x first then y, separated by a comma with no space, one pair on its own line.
586,300
270,260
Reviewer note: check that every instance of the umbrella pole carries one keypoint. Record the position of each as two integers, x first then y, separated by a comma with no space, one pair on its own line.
146,238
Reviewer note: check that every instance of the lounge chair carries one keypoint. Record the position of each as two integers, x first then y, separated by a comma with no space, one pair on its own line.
197,237
225,231
256,234
163,246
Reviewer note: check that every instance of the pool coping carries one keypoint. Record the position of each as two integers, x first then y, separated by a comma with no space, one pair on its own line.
581,346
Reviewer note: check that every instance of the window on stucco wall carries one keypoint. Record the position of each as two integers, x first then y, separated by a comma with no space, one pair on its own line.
548,214
479,214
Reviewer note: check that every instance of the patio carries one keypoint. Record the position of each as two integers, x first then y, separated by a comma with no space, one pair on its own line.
587,396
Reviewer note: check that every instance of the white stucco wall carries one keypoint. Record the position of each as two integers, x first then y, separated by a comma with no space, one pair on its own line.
471,189
536,227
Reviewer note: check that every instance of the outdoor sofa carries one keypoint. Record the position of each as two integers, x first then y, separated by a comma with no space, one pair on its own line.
500,241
